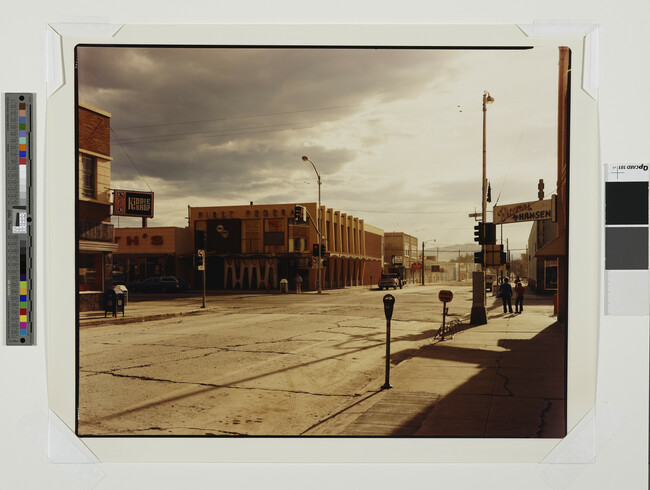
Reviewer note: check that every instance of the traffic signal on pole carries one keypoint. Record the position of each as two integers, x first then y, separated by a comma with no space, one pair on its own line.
479,233
299,214
322,249
490,231
478,257
314,250
503,258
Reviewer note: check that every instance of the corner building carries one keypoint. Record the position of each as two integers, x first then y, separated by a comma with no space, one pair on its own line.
255,246
95,233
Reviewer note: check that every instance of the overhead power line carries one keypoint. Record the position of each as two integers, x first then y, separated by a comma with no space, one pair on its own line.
132,162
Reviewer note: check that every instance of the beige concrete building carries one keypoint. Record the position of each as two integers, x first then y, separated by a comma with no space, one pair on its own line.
255,246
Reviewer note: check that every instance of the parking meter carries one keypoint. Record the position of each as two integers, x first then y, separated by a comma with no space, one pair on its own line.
389,302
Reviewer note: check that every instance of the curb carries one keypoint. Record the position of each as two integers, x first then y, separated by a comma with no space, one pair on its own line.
139,319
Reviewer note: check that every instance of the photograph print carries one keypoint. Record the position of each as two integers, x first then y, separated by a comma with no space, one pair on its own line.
321,241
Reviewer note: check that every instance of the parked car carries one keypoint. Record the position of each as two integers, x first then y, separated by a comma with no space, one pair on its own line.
490,279
162,284
390,280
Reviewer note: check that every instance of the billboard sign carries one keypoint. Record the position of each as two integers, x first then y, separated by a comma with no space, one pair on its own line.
525,211
133,203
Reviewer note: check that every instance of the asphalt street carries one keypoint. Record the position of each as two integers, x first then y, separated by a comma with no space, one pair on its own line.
271,364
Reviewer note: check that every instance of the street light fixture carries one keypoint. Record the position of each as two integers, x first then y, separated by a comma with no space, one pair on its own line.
319,227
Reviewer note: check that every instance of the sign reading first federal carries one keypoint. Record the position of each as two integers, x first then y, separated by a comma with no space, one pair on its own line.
133,203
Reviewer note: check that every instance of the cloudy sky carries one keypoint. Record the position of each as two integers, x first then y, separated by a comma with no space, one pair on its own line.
395,134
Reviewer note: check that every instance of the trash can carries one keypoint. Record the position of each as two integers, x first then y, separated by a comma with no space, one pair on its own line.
113,301
284,286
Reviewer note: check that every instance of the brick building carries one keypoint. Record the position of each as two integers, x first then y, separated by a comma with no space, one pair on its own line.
400,255
95,236
255,246
155,251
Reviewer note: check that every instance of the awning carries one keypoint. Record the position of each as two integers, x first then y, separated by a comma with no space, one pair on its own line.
88,246
555,248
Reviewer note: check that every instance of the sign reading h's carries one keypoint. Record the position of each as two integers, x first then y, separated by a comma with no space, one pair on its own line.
133,203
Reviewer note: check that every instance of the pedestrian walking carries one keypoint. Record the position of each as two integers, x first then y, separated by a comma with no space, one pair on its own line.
505,292
298,283
519,300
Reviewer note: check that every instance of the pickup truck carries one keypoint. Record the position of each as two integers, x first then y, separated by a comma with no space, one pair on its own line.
390,280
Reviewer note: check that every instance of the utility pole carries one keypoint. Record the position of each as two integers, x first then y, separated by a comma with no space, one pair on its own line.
205,261
423,262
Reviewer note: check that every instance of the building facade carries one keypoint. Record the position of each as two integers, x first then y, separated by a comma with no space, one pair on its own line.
401,256
154,251
255,246
95,234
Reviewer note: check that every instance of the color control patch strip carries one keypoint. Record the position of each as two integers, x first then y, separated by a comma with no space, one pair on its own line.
19,153
626,239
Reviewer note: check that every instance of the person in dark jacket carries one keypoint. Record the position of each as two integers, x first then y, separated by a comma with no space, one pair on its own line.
505,291
519,300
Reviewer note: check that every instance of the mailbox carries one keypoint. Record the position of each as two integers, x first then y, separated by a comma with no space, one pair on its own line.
114,301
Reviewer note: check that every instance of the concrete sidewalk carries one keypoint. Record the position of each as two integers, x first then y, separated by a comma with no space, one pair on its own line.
502,379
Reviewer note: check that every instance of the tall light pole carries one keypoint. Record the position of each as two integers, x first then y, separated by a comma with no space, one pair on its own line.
487,99
479,313
318,220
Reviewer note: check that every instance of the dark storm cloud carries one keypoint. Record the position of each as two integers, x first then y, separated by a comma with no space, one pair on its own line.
190,115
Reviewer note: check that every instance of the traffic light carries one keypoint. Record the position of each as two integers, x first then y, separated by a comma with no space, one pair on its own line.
503,258
314,249
479,233
490,237
299,214
322,249
478,257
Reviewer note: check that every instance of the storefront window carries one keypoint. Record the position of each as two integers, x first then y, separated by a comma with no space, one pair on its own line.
90,272
550,274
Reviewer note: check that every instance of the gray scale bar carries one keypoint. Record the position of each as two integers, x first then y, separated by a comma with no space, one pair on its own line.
19,221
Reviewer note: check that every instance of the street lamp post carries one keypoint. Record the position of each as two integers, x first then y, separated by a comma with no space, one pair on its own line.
318,220
487,99
479,313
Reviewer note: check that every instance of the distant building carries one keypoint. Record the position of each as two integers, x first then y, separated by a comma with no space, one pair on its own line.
152,251
255,246
94,229
401,255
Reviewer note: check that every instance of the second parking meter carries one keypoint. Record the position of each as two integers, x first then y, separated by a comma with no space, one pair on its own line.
389,302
